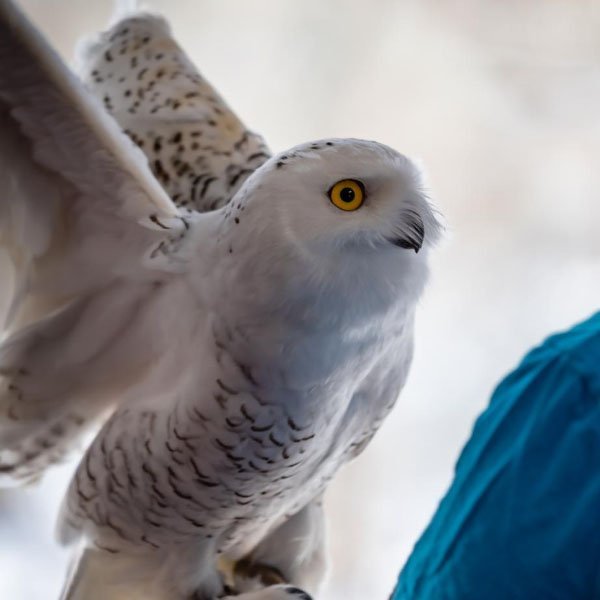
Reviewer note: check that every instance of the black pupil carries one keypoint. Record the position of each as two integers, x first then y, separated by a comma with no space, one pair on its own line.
347,194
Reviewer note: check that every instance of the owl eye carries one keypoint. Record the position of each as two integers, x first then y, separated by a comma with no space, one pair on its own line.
347,194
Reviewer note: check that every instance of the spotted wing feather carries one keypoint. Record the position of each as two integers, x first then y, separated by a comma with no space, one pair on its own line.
196,146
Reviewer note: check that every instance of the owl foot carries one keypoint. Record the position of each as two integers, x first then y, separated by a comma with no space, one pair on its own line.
249,575
275,592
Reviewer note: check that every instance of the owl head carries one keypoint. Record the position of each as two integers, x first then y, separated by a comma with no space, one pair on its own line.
336,215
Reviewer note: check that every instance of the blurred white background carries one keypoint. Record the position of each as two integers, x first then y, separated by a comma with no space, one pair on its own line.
501,103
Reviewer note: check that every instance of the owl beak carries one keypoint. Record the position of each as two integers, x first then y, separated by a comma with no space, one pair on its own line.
414,234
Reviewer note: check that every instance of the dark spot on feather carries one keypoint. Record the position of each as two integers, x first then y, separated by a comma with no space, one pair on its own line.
221,400
147,541
257,155
246,414
179,493
234,458
293,425
223,445
236,177
205,186
275,440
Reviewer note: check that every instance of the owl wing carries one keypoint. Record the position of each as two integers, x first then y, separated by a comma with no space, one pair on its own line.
82,221
196,146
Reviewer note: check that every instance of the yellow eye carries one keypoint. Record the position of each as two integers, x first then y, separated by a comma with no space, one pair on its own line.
347,194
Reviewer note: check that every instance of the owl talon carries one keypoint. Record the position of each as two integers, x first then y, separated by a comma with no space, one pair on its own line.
265,574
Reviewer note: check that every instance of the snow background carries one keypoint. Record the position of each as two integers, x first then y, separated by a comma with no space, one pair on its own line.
500,103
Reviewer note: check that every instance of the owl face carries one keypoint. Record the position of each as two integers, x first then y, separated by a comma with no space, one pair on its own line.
345,194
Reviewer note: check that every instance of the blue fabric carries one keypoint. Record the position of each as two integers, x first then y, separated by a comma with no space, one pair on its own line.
521,519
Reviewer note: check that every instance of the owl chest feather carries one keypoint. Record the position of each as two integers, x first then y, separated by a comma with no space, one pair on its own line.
256,435
276,429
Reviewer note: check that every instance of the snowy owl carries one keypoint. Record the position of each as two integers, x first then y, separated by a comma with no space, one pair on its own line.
239,356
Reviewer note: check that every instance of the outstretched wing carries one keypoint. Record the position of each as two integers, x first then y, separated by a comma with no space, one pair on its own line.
197,147
81,219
